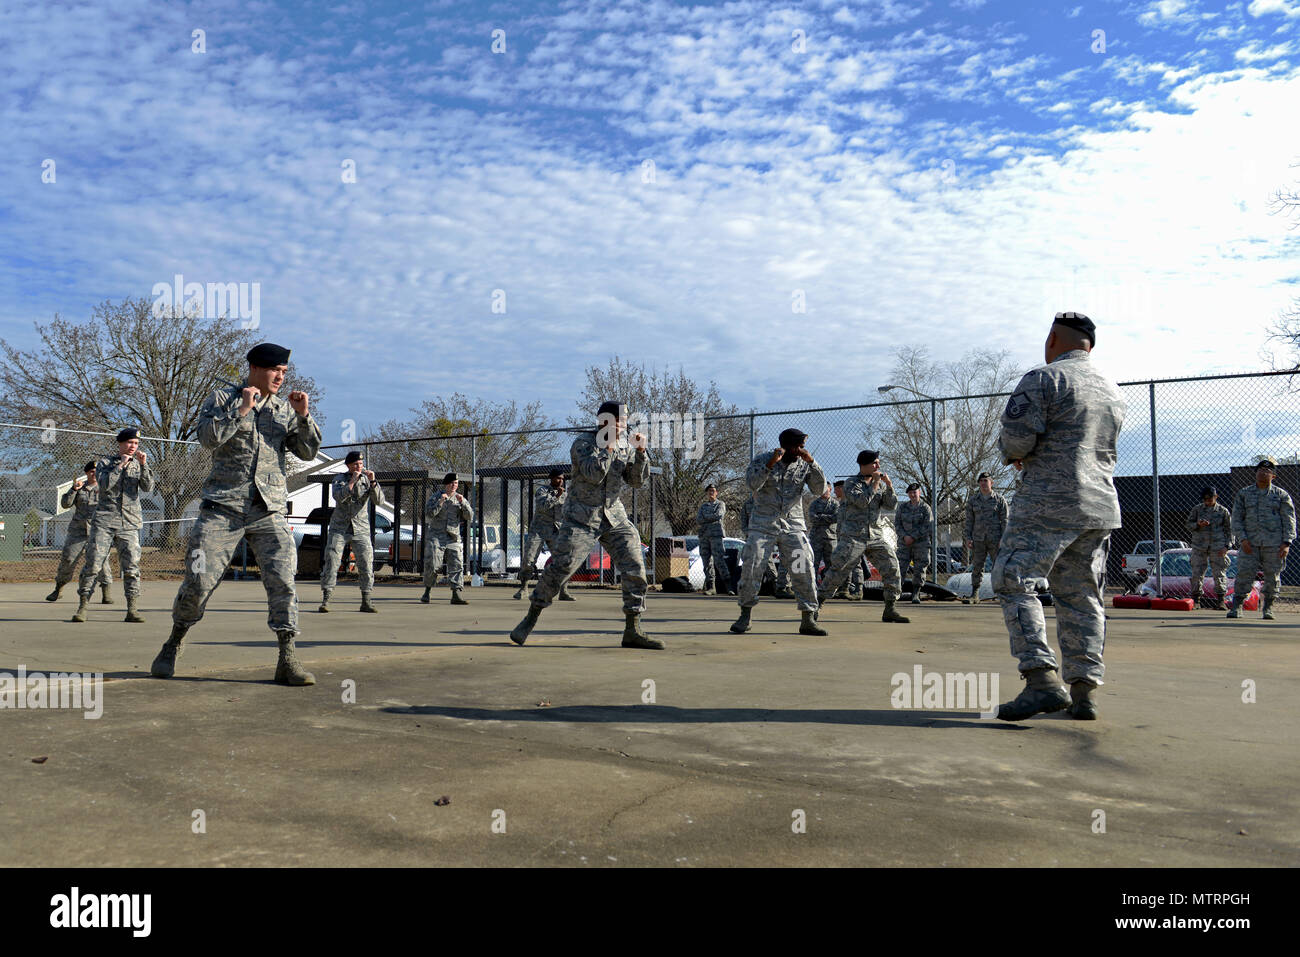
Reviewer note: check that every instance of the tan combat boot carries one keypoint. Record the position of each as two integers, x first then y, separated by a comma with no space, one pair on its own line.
289,670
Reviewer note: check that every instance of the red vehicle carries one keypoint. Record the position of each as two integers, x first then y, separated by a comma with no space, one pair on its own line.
1176,577
598,561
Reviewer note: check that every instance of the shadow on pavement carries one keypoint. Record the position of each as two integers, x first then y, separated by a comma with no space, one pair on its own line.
656,714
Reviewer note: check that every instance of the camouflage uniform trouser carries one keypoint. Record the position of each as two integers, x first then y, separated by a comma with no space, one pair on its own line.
796,565
1218,568
848,557
216,534
713,556
1074,563
823,545
918,554
73,546
435,548
981,549
102,540
362,550
538,533
575,543
1263,557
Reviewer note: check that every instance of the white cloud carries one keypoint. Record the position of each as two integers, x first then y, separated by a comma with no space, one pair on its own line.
773,171
1259,8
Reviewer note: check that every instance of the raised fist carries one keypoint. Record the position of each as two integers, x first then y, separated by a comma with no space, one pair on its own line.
248,399
298,401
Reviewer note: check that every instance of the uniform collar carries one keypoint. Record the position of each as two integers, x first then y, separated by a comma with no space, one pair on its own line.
1072,354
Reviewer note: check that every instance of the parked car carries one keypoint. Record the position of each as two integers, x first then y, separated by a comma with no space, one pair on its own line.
1142,560
695,574
1176,579
308,536
960,584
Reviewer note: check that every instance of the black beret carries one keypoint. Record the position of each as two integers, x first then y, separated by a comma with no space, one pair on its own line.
1209,490
984,475
914,486
1080,323
268,355
90,466
353,456
555,472
791,439
612,408
839,483
1267,462
710,486
449,478
127,434
866,456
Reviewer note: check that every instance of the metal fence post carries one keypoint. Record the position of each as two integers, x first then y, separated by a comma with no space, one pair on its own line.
1155,491
934,499
751,436
473,477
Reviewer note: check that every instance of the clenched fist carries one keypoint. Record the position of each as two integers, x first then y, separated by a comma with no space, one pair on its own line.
298,402
248,398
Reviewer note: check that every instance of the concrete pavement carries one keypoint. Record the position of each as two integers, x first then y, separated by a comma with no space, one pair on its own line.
551,754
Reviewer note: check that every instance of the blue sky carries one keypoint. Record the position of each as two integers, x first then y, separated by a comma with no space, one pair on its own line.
942,173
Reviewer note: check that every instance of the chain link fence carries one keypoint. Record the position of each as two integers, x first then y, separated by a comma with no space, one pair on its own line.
1179,436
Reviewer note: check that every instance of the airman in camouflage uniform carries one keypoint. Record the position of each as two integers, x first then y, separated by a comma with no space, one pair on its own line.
83,497
986,519
713,556
777,480
249,429
117,521
868,530
604,461
1263,523
824,517
912,523
1209,530
443,515
354,491
1060,428
852,589
548,506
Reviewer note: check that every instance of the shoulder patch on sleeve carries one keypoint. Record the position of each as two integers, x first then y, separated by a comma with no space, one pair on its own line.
1017,405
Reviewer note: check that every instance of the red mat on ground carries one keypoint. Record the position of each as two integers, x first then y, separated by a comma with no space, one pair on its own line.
1155,604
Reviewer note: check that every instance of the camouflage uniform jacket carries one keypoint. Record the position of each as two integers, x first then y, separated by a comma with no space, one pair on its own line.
119,491
778,491
1216,536
352,506
913,520
599,475
248,451
1263,516
1063,421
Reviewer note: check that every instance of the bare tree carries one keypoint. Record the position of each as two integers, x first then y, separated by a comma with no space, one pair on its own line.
967,427
1287,327
719,454
129,365
426,442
